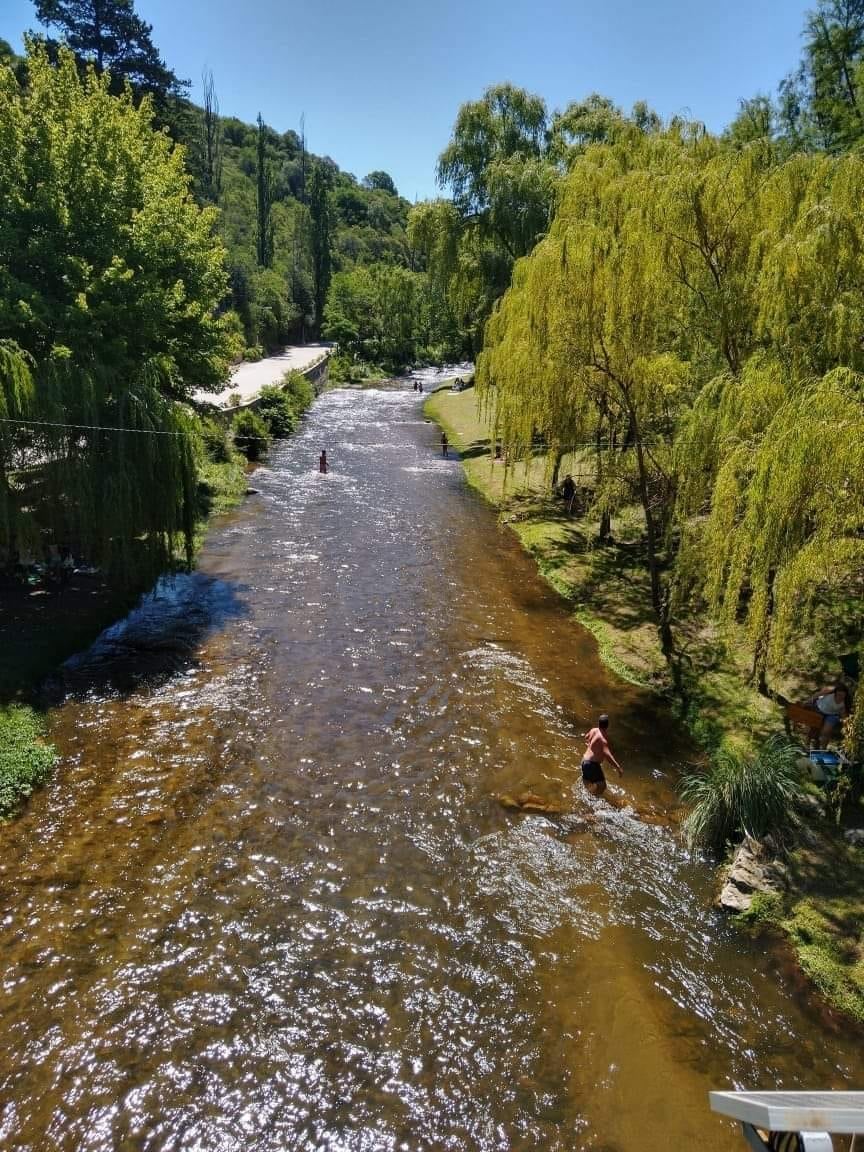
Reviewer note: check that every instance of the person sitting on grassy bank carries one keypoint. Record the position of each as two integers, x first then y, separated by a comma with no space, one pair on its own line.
833,706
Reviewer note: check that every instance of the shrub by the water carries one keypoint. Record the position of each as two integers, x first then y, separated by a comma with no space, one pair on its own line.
214,437
25,760
345,370
254,353
276,409
299,390
250,434
740,793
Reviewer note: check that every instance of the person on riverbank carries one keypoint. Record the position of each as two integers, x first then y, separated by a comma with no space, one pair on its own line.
596,751
322,461
568,493
833,706
444,445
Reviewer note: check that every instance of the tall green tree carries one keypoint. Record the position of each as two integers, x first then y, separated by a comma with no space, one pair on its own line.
112,35
756,120
211,140
110,280
264,201
382,181
583,342
321,236
822,103
696,311
502,184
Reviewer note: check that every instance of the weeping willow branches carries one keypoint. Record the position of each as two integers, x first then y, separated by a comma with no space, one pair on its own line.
698,312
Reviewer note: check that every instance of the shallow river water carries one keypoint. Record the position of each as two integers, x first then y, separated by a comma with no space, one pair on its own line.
270,901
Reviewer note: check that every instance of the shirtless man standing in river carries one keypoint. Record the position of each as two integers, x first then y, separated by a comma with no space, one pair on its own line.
596,751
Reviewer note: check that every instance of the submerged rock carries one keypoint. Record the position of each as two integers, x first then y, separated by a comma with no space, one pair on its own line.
754,869
530,802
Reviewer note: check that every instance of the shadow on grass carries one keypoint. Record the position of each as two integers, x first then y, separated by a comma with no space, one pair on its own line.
477,448
611,578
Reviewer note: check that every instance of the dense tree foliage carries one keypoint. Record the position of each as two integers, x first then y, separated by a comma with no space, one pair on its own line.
695,314
503,166
110,278
321,229
114,37
321,220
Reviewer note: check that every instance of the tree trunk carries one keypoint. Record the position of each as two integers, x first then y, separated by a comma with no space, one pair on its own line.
556,470
605,530
760,655
659,599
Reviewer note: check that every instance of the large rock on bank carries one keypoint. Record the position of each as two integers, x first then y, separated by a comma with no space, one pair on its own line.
754,868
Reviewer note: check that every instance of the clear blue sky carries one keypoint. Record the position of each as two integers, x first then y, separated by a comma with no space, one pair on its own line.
380,81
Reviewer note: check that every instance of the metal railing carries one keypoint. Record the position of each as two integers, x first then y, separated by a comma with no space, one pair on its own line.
793,1121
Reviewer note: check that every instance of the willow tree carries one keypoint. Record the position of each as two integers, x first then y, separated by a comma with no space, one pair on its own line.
786,524
594,310
16,396
711,214
502,179
466,271
770,460
110,278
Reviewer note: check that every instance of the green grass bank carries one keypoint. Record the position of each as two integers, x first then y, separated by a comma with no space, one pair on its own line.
607,589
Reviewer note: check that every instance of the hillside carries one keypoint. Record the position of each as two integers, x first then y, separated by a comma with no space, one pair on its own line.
365,222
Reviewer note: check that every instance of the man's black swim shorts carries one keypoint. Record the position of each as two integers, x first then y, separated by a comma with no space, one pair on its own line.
592,772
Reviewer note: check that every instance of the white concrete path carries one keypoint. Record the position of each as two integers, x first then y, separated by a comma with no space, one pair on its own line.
249,379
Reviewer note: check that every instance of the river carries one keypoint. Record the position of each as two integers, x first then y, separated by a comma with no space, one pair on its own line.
270,901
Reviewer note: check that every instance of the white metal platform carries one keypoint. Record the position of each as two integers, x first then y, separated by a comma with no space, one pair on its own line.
839,1112
813,1115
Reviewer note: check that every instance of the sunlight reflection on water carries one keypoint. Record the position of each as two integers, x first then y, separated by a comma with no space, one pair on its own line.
270,899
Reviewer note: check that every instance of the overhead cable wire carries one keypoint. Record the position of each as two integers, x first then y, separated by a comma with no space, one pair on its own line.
103,428
89,427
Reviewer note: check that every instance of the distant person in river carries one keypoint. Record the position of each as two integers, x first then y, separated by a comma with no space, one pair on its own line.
596,751
444,445
420,386
322,461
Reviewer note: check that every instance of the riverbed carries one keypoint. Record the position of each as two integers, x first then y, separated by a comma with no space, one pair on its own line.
270,899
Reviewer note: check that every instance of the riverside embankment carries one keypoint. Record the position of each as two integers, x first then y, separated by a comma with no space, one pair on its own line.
607,590
269,899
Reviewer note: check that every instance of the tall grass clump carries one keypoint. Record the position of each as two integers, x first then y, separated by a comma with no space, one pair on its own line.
742,794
